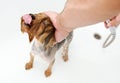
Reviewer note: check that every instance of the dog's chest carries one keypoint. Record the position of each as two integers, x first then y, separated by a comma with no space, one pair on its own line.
38,49
49,55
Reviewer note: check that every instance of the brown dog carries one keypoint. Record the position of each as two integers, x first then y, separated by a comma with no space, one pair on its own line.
40,28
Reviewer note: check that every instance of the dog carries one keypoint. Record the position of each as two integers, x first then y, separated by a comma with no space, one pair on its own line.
41,30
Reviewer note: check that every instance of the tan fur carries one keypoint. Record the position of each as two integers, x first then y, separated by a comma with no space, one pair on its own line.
43,30
29,65
42,24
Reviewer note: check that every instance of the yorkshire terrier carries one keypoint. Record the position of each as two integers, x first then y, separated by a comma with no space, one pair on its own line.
41,30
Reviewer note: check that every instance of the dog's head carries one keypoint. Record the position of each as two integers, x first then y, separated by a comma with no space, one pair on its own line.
38,26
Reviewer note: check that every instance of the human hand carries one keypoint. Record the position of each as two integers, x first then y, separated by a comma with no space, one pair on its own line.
115,21
60,32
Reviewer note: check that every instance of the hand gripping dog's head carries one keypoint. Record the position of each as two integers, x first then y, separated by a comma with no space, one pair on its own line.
39,26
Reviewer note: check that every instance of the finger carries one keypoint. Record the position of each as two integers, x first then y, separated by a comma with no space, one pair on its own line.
105,24
58,36
112,23
52,16
118,19
113,18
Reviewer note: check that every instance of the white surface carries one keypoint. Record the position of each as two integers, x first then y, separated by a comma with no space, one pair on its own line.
88,61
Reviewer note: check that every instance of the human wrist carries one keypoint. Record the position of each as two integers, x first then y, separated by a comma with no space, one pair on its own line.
61,25
61,30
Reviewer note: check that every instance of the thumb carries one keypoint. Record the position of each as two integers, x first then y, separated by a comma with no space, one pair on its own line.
59,35
114,22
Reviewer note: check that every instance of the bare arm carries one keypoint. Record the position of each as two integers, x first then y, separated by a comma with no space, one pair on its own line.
78,13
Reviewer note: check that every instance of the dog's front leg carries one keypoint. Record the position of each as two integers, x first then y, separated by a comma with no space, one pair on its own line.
48,70
29,65
65,52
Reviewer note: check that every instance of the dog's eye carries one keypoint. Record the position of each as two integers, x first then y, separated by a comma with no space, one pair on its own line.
33,17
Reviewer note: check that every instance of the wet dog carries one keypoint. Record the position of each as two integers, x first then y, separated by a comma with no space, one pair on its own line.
41,30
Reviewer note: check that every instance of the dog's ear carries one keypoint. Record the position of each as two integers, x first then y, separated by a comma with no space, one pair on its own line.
26,28
31,37
22,30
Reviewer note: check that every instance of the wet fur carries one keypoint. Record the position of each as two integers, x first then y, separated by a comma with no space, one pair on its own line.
43,30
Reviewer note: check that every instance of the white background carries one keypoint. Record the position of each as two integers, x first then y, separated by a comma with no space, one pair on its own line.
88,61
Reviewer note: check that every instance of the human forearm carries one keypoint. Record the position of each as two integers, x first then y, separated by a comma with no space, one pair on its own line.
78,13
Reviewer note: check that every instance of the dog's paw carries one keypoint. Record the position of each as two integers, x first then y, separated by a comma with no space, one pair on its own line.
28,66
65,58
48,72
